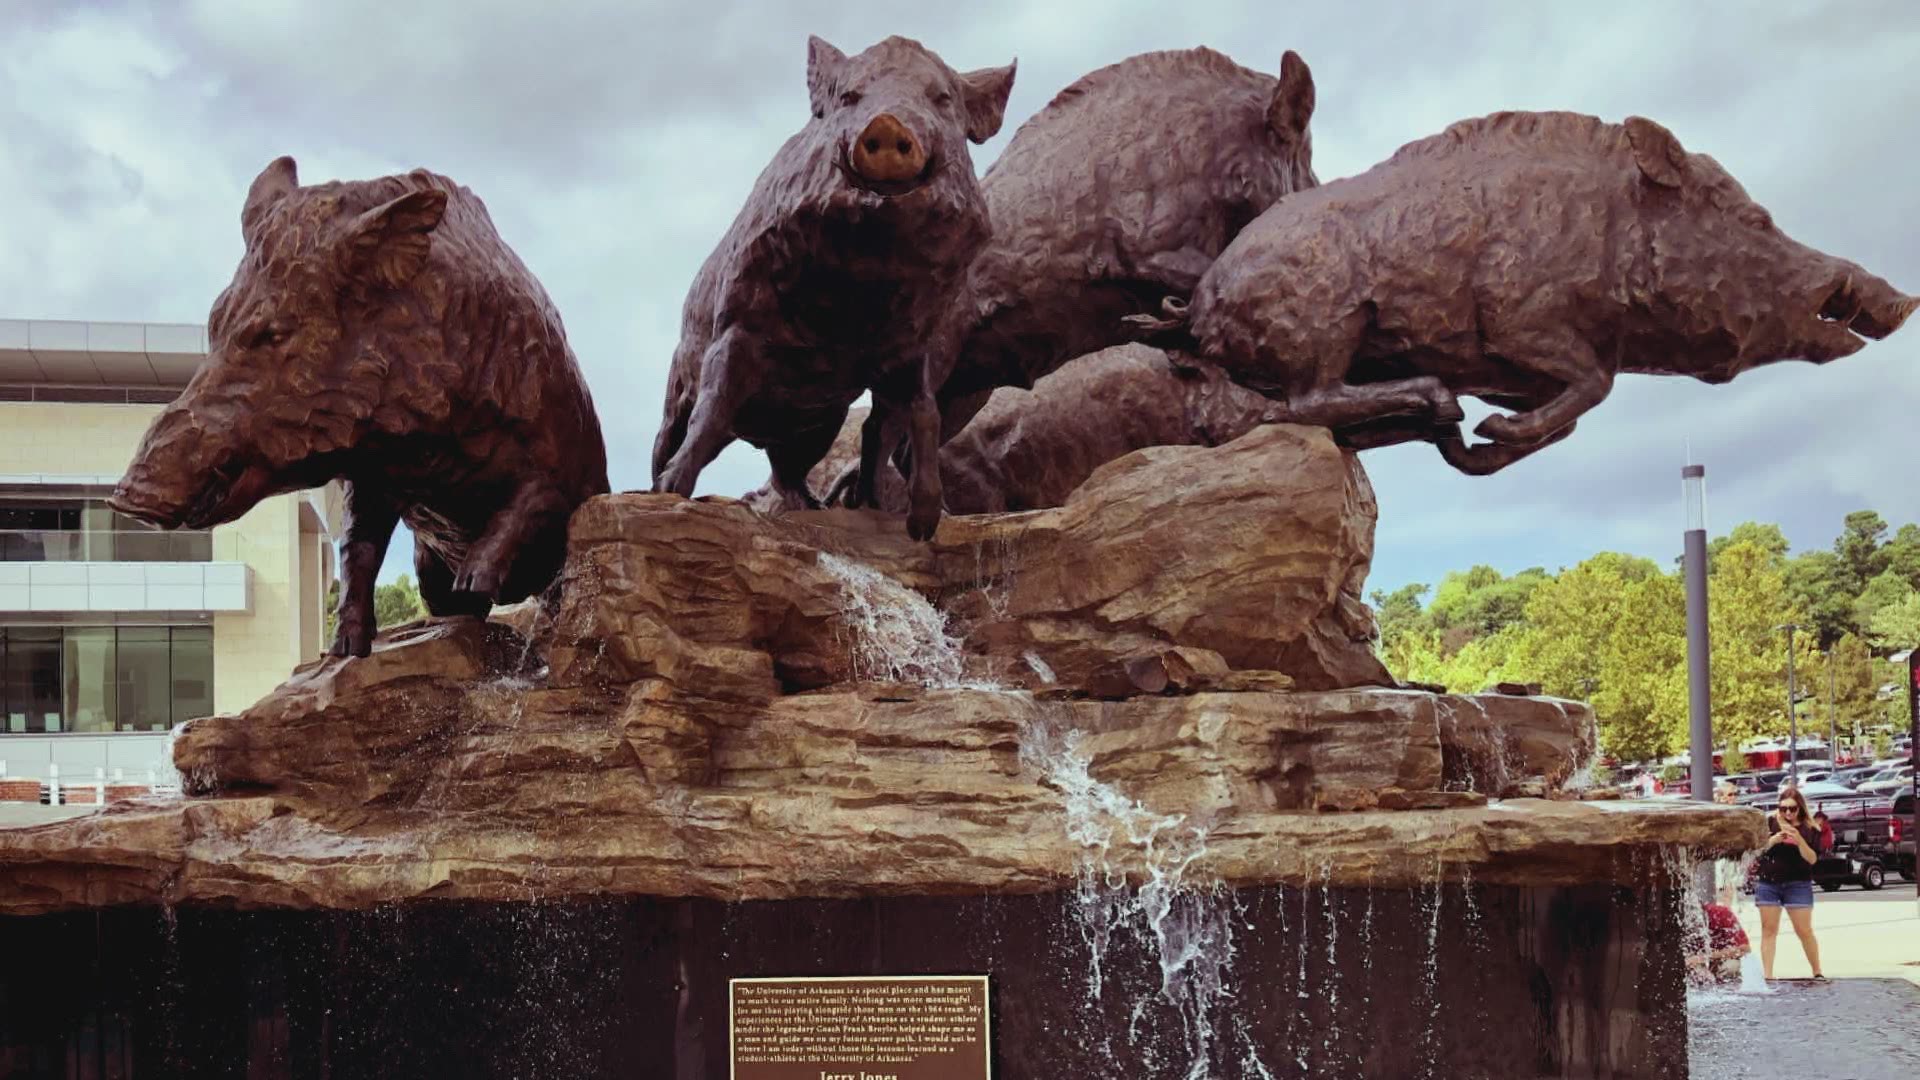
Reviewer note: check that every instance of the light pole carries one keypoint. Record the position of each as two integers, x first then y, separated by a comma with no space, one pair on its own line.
1833,731
1793,716
1693,491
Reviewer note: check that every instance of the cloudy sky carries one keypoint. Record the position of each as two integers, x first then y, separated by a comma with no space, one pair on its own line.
613,143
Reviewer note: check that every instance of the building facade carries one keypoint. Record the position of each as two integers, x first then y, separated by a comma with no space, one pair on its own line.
111,631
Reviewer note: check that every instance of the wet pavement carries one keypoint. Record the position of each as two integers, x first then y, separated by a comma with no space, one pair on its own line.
1847,1029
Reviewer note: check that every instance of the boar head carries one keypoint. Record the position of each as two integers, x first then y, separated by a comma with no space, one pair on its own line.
1735,291
896,118
293,373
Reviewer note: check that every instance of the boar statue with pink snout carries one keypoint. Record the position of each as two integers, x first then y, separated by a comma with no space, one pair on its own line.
1525,259
381,333
842,273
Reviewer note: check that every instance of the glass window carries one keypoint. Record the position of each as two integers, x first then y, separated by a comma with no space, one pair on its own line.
146,682
91,682
192,672
31,686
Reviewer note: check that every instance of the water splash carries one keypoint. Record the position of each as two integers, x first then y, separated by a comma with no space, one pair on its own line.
1040,667
1132,876
897,635
1188,924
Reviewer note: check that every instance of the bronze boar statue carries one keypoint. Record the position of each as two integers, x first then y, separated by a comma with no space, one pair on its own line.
1524,259
381,333
840,275
1029,449
1124,189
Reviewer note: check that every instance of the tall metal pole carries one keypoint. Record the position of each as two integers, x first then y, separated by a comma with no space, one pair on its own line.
1793,717
1693,490
1833,730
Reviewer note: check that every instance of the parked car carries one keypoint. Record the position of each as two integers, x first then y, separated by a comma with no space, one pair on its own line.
1887,783
1899,853
1854,774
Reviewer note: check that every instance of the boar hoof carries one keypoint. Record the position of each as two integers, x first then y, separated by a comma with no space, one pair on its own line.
351,640
480,577
1447,410
1504,429
921,525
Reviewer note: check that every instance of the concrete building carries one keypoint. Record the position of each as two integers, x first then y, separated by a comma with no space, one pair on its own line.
112,632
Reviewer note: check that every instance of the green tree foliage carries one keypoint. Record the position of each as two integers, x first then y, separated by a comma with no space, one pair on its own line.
1860,551
1815,581
1903,555
394,603
1765,536
1612,630
1897,626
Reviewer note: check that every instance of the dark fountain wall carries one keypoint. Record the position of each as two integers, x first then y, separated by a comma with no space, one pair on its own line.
1478,981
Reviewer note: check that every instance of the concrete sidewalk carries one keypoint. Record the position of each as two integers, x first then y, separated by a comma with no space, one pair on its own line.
1862,934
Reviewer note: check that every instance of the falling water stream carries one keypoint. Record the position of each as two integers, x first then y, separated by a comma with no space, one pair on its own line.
1132,875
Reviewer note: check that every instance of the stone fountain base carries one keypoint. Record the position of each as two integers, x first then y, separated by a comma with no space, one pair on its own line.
784,746
1447,981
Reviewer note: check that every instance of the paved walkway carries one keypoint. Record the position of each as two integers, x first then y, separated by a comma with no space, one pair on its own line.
1847,1029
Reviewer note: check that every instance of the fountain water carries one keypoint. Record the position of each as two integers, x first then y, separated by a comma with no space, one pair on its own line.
897,633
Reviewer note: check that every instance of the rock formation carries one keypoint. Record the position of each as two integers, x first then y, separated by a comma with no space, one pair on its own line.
741,707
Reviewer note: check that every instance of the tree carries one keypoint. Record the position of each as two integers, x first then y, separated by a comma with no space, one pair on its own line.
1859,551
397,602
1884,591
394,603
1399,612
1765,536
1903,554
1897,626
1570,619
1481,601
1847,671
1747,601
1815,581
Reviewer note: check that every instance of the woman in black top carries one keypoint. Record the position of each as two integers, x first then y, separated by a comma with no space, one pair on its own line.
1784,878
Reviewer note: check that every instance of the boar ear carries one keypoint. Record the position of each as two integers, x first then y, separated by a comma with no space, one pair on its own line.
1657,152
274,183
1292,106
823,67
388,244
985,93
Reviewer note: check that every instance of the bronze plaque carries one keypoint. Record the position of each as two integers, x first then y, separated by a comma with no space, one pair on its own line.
888,1027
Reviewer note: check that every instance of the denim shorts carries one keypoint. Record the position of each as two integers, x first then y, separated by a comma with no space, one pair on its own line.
1789,894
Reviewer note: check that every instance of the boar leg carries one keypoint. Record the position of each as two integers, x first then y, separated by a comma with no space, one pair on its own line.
368,527
1488,458
1343,405
793,458
923,487
727,371
536,506
1567,359
880,436
912,397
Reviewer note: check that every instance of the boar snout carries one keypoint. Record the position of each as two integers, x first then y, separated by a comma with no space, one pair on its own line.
888,156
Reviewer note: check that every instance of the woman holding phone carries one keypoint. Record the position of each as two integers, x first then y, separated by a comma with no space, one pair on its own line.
1783,878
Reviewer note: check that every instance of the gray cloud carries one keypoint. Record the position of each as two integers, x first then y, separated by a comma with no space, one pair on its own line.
613,143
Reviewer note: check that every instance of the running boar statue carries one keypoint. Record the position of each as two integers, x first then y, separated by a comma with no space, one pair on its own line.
380,333
840,275
1524,259
1123,190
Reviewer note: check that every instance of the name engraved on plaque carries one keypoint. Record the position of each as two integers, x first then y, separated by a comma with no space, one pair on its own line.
904,1027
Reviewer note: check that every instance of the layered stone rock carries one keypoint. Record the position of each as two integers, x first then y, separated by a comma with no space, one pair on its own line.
741,707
